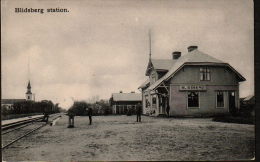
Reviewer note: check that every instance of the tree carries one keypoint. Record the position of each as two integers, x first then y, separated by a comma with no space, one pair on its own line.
100,107
79,107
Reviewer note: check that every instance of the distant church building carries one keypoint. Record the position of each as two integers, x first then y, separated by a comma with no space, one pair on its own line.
28,94
195,84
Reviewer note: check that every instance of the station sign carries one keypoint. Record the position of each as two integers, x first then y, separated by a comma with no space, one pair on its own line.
192,88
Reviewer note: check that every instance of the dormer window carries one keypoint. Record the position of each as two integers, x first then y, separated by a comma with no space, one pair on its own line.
204,74
153,79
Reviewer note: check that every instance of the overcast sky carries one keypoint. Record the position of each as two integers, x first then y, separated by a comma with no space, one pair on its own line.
101,47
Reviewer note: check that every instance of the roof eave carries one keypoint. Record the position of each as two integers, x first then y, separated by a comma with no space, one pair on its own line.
199,63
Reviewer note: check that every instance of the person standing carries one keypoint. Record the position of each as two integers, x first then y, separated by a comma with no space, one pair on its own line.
46,117
90,115
138,112
167,107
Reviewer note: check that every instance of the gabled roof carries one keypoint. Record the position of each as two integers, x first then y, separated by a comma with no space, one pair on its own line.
11,101
194,57
160,64
163,64
144,84
127,96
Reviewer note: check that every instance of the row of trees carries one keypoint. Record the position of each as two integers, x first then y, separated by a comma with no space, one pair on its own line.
100,107
27,107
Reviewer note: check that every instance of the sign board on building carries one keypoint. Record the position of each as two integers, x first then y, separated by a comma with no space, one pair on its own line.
192,88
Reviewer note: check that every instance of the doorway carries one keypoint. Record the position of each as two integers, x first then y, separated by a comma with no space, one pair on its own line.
232,102
163,104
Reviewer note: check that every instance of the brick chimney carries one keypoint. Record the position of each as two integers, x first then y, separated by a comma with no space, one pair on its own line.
191,48
176,55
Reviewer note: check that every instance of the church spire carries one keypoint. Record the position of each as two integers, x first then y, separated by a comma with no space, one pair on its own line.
150,46
29,88
28,94
29,85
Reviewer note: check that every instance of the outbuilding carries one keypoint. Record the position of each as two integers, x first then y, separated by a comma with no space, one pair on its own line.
124,103
195,84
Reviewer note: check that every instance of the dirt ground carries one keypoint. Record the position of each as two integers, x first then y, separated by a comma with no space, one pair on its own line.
121,138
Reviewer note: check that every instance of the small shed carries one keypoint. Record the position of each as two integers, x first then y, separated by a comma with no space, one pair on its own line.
122,103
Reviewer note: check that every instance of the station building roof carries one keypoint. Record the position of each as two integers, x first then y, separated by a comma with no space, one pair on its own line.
194,57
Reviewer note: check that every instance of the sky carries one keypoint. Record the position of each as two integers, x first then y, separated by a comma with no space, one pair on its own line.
101,47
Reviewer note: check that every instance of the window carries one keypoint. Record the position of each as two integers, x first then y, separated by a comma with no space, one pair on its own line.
146,101
193,99
153,78
220,99
125,109
205,73
117,109
154,100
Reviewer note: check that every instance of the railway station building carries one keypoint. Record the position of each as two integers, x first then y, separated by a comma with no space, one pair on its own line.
122,103
193,84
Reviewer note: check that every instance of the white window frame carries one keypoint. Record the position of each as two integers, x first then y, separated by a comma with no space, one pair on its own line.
205,71
153,77
187,99
146,100
223,100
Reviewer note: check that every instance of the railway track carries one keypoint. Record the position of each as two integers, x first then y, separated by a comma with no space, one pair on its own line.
18,123
12,134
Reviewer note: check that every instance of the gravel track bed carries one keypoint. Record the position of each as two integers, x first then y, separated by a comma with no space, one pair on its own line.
121,138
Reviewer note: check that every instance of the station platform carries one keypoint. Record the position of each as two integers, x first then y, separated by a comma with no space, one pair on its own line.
10,121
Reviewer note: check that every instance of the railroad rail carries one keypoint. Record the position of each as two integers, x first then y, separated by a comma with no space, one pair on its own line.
28,122
21,122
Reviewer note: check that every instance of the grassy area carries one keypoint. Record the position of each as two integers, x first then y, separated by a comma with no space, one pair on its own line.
14,116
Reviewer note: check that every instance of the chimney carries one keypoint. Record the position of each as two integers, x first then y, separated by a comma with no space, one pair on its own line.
191,48
120,91
176,55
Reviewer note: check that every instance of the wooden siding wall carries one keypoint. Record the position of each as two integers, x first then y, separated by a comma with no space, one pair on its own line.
221,79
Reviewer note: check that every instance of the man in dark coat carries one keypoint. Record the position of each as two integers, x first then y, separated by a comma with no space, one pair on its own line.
90,115
71,115
138,112
46,117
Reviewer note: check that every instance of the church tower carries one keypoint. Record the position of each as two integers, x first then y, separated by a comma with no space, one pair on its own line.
28,94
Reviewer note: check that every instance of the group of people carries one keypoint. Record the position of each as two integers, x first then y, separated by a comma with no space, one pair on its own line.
90,111
138,113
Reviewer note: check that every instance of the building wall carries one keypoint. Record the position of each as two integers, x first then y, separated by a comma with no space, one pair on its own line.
151,109
123,105
207,101
221,79
191,74
144,108
29,97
